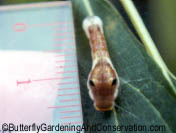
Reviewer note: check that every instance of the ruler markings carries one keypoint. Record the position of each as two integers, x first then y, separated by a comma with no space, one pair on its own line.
69,100
70,111
63,28
65,106
63,34
59,61
23,82
64,39
68,88
44,79
72,123
61,50
51,24
70,117
73,55
61,44
67,41
70,94
74,71
21,27
67,66
71,77
66,83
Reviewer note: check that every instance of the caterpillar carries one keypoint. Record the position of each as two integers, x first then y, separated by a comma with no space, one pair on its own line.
103,81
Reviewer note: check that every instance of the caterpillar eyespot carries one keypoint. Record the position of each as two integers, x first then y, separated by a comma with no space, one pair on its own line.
91,83
114,82
103,81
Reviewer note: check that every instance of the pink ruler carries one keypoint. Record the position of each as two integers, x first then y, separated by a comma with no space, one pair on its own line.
39,75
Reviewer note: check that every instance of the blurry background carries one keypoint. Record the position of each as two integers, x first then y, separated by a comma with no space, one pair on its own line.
159,18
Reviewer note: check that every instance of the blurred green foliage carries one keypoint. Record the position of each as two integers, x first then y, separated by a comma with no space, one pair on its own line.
164,21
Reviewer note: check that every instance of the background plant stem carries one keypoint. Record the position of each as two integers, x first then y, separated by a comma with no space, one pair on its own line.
146,39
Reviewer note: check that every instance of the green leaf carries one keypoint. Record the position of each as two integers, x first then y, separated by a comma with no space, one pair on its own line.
145,97
147,41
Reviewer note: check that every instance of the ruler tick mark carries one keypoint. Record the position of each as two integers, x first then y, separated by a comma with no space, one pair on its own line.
65,38
65,61
61,44
23,82
66,83
57,78
69,100
70,117
71,94
67,88
72,123
66,55
50,24
44,79
63,34
70,111
67,72
61,50
66,106
64,27
68,66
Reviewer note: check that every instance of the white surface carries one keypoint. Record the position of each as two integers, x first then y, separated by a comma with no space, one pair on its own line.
27,103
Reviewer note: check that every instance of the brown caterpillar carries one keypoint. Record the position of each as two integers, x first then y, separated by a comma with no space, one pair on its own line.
103,81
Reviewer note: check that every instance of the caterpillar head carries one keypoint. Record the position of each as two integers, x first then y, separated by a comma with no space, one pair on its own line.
103,85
